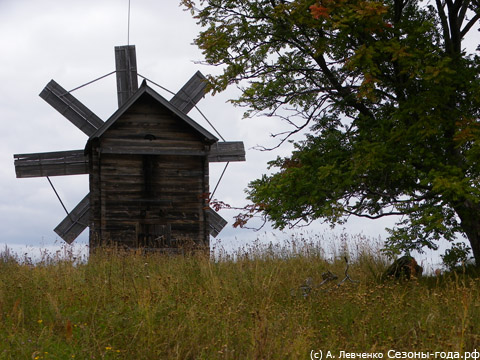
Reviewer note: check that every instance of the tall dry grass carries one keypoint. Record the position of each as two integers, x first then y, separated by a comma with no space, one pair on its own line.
122,305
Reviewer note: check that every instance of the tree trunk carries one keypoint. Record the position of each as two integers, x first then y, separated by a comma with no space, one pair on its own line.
469,214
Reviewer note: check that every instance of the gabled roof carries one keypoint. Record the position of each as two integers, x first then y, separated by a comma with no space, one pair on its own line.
145,89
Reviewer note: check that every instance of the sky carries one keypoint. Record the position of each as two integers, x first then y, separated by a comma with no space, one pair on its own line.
73,43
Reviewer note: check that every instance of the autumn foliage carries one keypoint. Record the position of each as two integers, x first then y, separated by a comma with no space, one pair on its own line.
387,96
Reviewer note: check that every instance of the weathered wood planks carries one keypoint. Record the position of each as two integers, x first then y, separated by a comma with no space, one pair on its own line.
126,67
190,94
72,162
223,151
127,194
67,105
215,222
74,223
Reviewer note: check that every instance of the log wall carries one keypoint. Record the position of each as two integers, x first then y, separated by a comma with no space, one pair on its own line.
148,180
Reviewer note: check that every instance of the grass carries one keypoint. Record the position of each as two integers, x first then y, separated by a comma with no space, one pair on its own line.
132,306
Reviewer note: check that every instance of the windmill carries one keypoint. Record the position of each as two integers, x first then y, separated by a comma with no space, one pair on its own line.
147,165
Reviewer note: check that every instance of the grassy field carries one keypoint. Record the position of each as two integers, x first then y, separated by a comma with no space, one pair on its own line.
132,306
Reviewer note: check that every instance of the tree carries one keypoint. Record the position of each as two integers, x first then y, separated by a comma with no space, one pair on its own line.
389,99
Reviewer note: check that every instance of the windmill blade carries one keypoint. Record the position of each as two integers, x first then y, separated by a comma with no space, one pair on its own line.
215,222
75,222
191,93
126,67
67,105
73,162
223,151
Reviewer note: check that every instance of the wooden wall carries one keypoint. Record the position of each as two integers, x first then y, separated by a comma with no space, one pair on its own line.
148,180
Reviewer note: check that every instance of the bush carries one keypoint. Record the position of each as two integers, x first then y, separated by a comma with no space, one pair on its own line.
457,255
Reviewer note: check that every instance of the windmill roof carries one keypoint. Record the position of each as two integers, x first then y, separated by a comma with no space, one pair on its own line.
145,89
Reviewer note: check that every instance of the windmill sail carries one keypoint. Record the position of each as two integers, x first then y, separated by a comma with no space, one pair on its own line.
67,105
223,151
75,222
72,162
191,93
126,67
215,222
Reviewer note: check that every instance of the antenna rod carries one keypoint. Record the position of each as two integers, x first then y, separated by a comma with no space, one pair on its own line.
128,34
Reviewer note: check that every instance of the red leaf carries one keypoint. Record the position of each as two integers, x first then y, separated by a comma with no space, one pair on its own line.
319,11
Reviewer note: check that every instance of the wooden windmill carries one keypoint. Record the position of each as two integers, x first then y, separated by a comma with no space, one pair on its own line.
148,165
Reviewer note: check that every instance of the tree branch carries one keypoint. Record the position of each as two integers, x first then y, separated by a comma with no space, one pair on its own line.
298,128
445,27
470,24
342,91
374,217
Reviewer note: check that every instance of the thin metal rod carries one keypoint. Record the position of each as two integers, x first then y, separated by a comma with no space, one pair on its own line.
220,179
90,82
154,83
58,196
209,123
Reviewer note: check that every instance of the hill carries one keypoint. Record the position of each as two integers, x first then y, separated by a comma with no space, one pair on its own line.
259,305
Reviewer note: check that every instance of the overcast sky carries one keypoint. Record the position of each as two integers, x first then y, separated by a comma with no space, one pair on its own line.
73,42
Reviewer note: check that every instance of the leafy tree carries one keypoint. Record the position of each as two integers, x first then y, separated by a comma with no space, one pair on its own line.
390,98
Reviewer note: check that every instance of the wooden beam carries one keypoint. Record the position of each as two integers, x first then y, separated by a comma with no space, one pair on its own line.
215,222
72,162
227,151
67,105
126,66
137,150
74,224
191,93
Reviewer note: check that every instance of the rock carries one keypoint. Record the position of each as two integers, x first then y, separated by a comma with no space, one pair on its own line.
404,267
